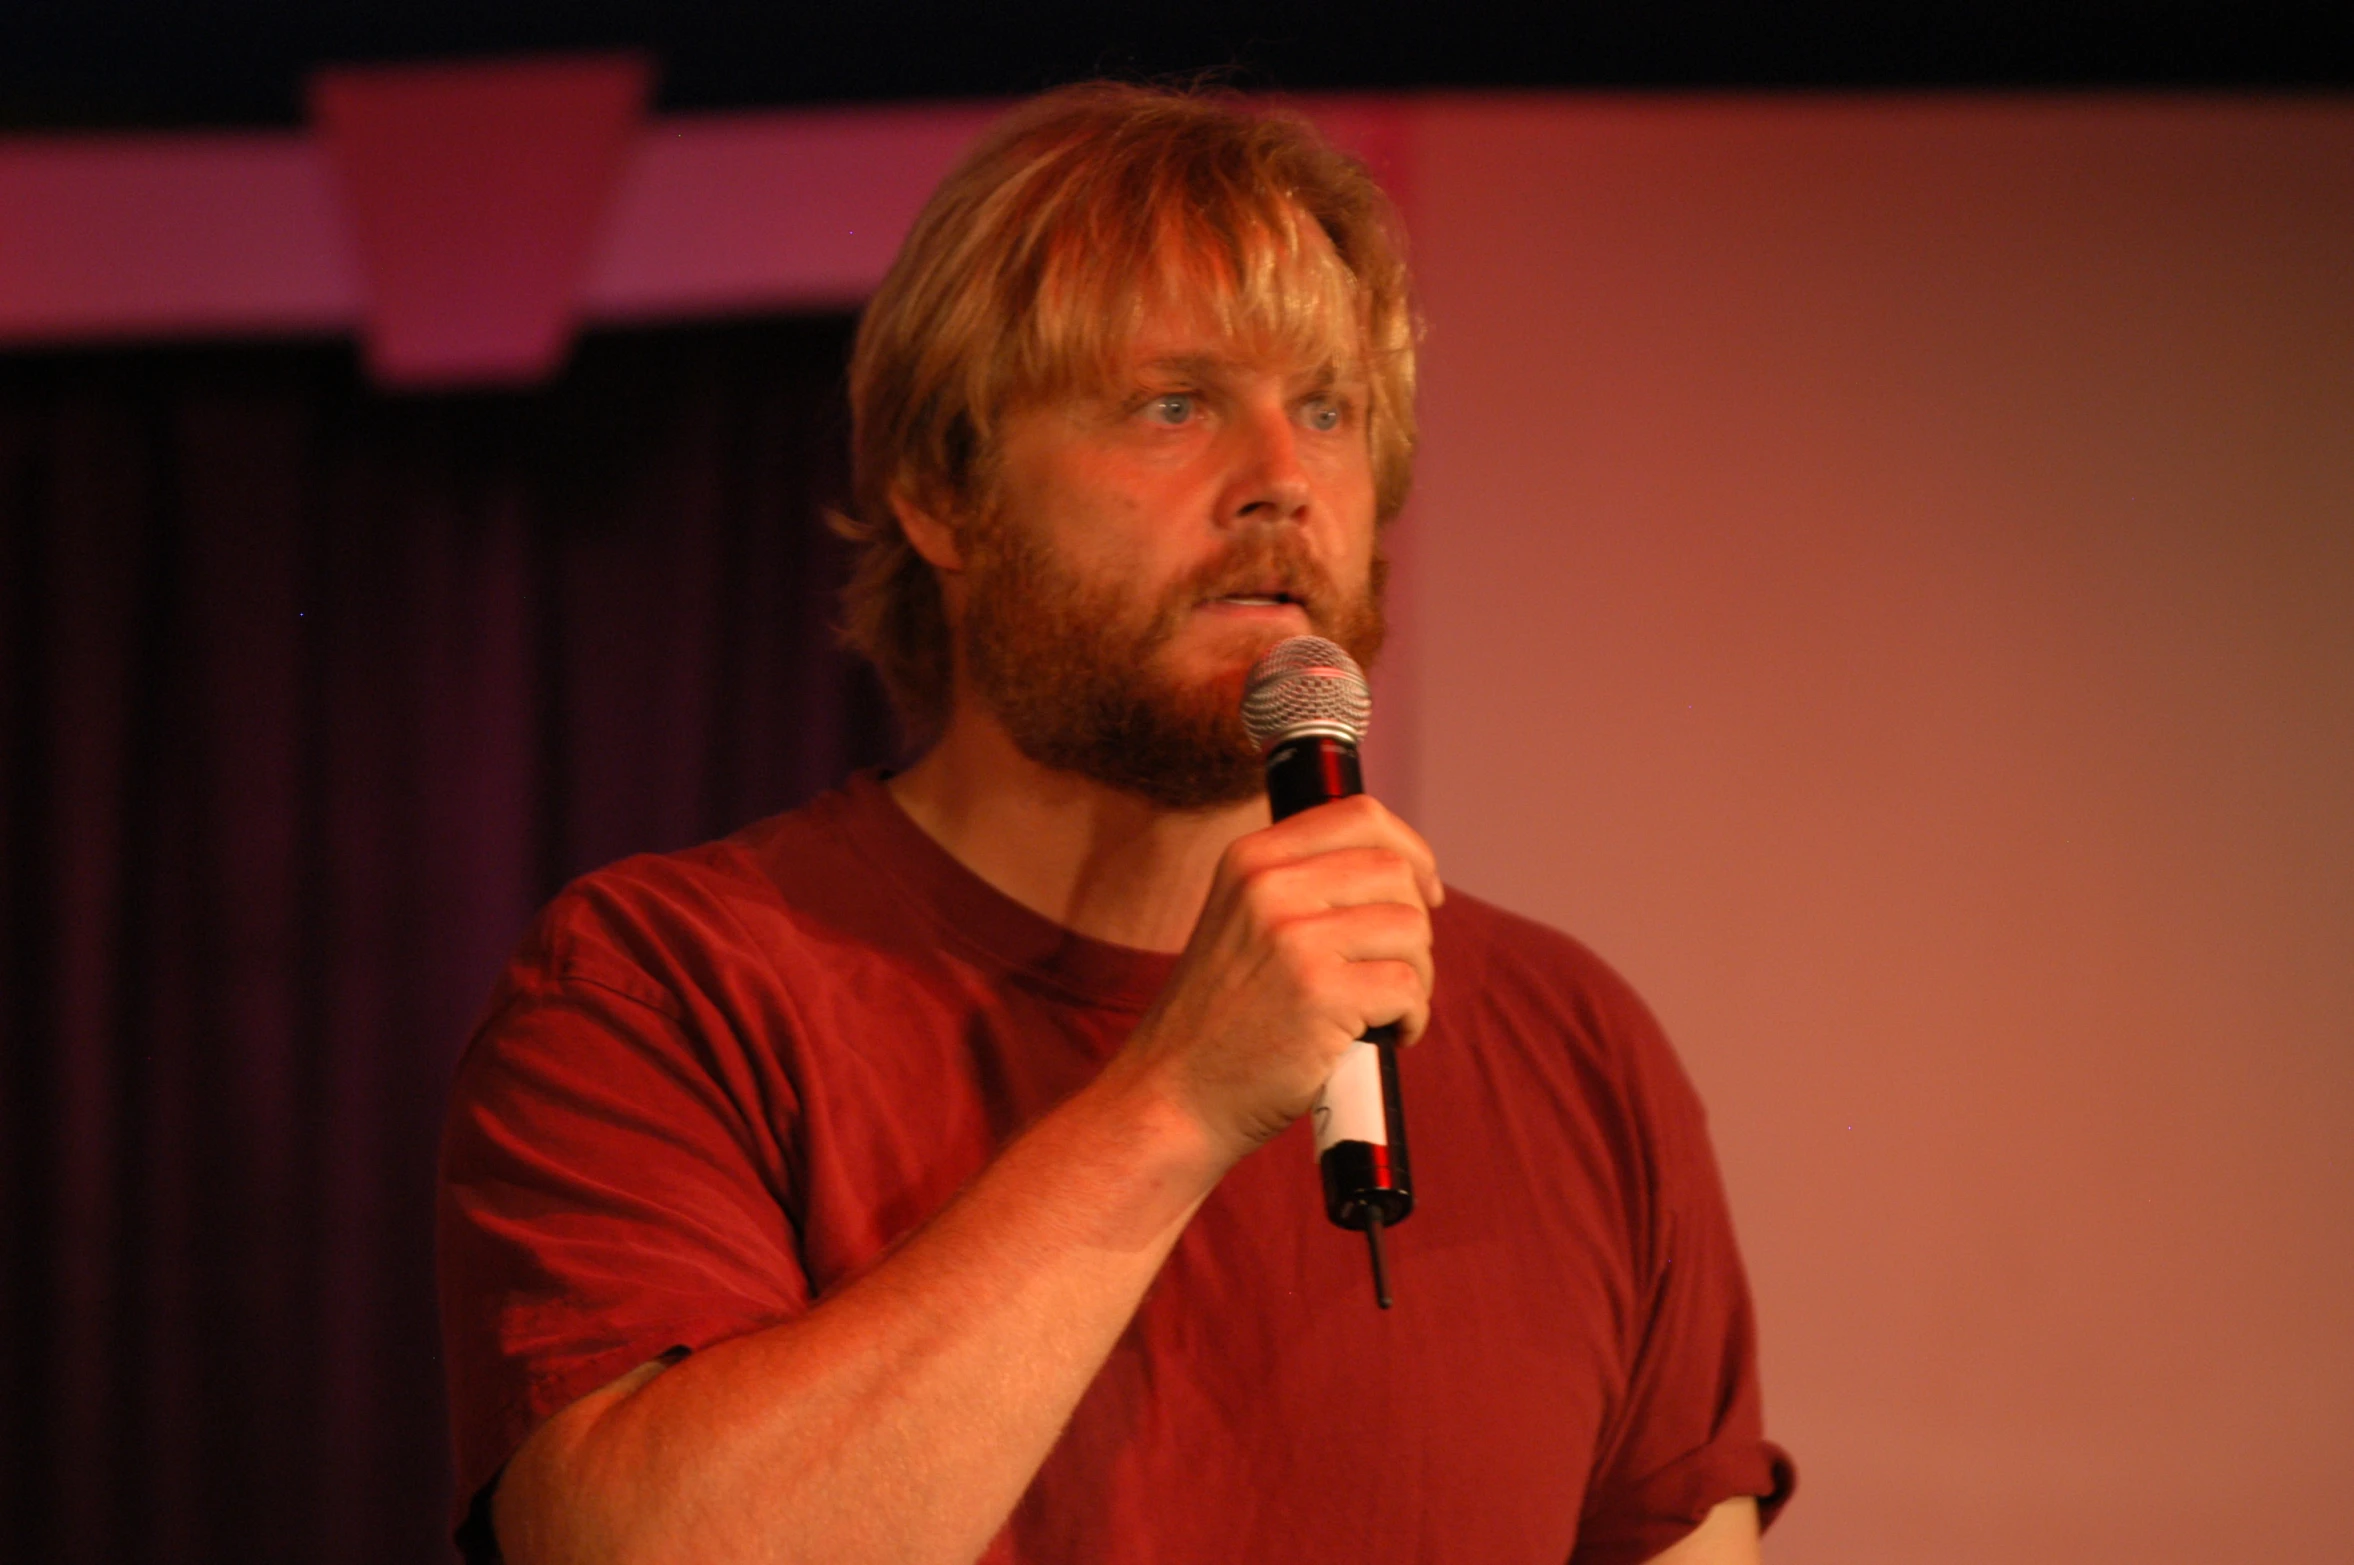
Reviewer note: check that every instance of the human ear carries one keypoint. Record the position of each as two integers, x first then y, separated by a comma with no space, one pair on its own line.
928,531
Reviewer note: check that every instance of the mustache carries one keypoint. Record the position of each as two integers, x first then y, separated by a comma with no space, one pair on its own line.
1254,564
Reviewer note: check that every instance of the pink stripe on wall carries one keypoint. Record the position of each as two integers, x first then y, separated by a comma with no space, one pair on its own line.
270,234
718,214
171,236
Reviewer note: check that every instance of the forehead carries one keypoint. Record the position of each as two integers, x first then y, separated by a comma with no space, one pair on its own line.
1191,327
1196,342
1261,287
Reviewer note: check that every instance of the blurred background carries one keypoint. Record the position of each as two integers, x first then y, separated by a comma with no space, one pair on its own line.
1881,571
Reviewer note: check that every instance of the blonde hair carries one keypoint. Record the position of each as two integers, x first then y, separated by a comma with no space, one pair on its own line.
1026,276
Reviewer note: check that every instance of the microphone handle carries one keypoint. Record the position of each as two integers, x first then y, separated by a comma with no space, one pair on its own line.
1360,1117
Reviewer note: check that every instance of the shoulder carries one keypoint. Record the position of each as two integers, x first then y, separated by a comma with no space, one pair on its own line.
1569,1024
685,938
664,979
636,925
665,915
1495,957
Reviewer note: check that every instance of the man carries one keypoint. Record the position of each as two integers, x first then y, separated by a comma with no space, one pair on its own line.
890,1181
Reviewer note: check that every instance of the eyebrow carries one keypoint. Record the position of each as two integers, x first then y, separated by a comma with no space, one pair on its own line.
1191,366
1211,366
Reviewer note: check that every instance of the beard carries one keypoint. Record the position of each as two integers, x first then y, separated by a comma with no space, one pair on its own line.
1073,669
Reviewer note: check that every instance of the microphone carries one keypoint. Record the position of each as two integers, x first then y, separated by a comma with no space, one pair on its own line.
1306,707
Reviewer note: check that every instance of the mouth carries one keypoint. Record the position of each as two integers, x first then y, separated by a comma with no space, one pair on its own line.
1264,598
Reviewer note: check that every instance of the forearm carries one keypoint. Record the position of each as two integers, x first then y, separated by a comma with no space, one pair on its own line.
902,1418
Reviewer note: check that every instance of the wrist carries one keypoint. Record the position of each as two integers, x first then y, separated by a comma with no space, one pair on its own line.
1141,1109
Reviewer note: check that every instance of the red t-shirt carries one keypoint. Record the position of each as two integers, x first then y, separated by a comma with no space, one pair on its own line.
715,1084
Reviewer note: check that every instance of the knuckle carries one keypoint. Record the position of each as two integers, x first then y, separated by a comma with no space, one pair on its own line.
1268,890
1246,855
1294,943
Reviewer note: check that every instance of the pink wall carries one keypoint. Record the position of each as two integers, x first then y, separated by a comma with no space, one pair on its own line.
1908,550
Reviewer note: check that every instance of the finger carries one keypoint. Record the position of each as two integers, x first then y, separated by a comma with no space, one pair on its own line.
1371,934
1382,994
1426,863
1361,821
1348,877
1403,839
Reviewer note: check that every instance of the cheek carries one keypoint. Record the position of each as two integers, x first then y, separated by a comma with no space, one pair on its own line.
1084,511
1345,472
1351,500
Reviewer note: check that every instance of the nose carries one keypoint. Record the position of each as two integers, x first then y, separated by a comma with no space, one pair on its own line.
1269,485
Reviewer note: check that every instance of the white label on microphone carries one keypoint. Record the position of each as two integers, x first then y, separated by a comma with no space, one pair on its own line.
1350,1109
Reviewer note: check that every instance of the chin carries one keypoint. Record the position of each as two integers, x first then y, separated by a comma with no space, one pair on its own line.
1232,647
1215,678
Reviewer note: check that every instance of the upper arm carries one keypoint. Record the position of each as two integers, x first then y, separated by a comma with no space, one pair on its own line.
1727,1535
1690,1427
605,1198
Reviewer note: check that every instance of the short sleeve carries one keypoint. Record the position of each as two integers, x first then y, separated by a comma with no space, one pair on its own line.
1690,1433
612,1190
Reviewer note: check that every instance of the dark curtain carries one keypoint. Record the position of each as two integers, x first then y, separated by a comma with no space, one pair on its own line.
311,695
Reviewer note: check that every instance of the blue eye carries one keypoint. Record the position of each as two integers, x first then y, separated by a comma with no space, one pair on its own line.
1323,415
1174,408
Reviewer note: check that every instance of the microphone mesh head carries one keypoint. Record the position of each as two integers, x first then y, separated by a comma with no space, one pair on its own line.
1306,685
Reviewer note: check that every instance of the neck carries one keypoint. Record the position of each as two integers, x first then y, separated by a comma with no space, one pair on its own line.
1094,859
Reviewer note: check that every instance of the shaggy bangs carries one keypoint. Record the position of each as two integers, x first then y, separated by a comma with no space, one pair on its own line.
1248,265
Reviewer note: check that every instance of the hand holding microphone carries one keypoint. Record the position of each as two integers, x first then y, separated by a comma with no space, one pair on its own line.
1307,705
1315,935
